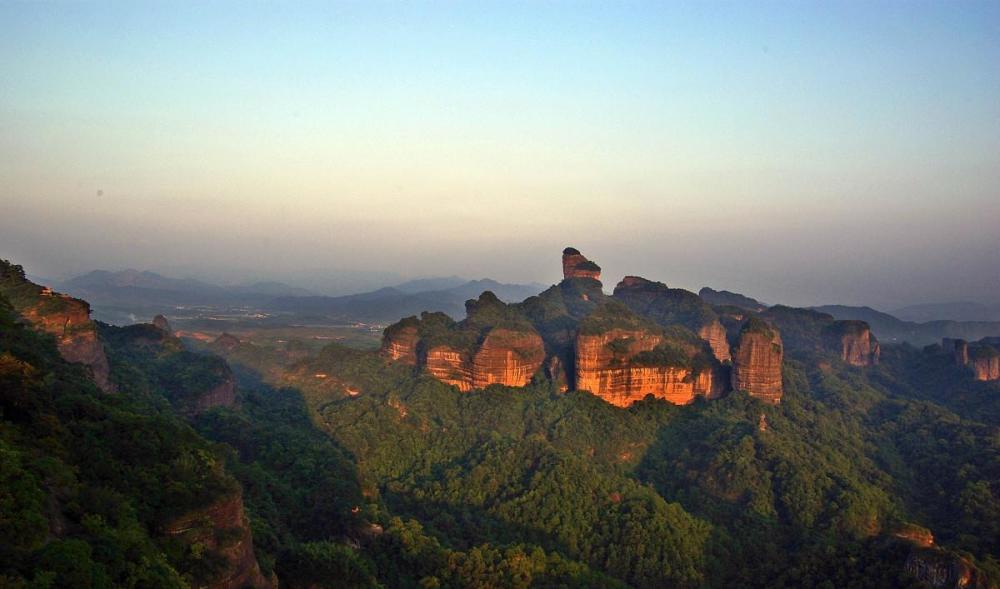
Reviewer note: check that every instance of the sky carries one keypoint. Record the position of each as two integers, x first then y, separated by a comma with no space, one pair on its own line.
799,152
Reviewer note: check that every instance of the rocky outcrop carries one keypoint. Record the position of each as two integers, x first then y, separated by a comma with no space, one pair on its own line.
400,341
575,265
982,357
715,334
450,366
223,529
507,357
65,318
495,344
853,341
984,360
623,365
757,361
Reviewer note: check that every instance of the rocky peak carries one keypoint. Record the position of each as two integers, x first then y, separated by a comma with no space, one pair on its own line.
982,357
757,361
854,341
495,344
575,265
984,360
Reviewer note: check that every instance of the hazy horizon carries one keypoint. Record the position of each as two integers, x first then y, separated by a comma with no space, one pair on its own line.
798,153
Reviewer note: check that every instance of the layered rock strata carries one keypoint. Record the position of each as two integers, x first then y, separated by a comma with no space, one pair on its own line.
757,361
854,342
621,367
575,265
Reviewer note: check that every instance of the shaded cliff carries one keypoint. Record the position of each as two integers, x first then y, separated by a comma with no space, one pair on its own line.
63,317
669,306
222,529
757,361
807,330
192,382
853,341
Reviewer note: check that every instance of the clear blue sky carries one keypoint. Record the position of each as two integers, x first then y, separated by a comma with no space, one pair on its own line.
804,152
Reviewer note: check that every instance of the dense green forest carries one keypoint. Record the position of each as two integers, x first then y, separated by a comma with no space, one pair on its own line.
373,476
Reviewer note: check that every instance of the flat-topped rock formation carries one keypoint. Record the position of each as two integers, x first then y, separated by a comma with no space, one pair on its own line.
493,345
645,340
981,357
757,360
853,341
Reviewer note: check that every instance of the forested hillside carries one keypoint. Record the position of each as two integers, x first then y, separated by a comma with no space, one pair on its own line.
356,471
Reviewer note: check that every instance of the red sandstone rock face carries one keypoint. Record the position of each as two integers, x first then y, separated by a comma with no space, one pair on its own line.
507,357
715,334
450,366
76,335
603,367
857,347
401,345
575,265
757,364
236,548
985,367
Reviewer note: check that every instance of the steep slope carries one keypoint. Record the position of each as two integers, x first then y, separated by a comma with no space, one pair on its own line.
757,360
109,490
63,317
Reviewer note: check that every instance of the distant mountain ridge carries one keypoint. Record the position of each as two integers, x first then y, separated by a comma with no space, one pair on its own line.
392,303
891,328
949,311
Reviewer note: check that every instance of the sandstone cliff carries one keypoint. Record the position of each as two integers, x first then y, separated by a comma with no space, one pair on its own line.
621,359
853,341
65,318
495,344
984,360
757,361
575,265
399,342
982,357
223,529
508,357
